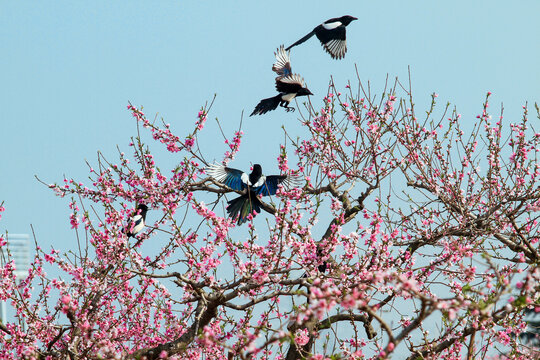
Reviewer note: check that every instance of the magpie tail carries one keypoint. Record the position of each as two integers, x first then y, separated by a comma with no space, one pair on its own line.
242,206
266,105
302,40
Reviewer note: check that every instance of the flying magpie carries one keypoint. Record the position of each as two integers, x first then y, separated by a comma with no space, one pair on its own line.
254,185
288,85
136,223
331,33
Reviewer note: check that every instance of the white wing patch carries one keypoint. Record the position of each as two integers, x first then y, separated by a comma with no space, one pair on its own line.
293,79
282,66
260,182
217,172
332,25
245,178
336,48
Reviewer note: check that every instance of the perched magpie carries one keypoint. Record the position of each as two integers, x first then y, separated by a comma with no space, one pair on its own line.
331,33
136,223
254,185
288,85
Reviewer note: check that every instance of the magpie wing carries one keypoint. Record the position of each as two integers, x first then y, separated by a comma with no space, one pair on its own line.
233,178
282,66
290,84
333,40
270,184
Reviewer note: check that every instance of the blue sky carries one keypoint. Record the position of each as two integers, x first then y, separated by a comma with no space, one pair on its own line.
68,70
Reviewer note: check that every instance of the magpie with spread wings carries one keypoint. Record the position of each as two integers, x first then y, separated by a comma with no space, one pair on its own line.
288,85
332,36
254,184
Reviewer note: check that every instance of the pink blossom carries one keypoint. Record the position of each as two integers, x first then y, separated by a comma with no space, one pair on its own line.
301,337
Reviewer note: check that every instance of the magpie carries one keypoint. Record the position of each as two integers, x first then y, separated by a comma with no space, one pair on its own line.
136,223
288,85
254,185
331,34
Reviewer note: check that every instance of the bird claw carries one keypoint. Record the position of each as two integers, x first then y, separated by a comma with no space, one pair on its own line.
290,109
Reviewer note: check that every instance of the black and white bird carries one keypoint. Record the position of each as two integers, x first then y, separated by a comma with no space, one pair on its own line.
254,185
136,223
331,34
288,85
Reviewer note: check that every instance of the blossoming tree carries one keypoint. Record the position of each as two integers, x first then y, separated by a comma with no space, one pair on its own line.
410,238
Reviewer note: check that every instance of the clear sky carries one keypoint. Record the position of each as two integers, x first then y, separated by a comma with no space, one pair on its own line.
68,70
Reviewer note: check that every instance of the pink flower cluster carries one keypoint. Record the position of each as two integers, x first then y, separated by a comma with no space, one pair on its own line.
398,223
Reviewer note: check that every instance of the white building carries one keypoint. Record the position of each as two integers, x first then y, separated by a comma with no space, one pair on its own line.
18,249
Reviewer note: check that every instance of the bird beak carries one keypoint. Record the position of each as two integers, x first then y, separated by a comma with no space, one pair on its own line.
309,92
353,18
